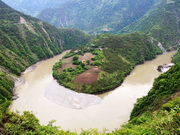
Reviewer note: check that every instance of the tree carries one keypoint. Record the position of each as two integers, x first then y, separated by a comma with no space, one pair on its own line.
88,62
75,57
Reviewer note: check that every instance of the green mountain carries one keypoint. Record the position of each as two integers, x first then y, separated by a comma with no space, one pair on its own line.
176,57
97,15
158,112
158,18
162,23
25,40
33,7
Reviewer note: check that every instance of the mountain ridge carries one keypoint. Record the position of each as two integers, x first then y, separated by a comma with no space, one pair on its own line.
26,40
159,19
95,13
162,23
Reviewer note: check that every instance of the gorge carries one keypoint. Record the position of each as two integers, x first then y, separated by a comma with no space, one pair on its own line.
40,105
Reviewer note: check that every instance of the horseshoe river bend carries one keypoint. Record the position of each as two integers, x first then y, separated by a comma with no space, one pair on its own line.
39,93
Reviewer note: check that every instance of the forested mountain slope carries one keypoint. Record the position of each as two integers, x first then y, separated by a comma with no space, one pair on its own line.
162,23
165,88
97,15
158,112
158,18
25,40
33,7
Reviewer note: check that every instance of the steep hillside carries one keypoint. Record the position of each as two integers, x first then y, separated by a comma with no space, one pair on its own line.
111,58
162,23
6,87
165,88
158,112
97,15
176,57
159,19
33,7
25,40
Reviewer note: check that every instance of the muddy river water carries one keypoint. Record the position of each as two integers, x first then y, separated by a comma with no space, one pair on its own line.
73,111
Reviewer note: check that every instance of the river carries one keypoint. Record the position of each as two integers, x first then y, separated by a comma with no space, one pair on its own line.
73,111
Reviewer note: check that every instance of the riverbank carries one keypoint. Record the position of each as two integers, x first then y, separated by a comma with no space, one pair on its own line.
110,57
112,111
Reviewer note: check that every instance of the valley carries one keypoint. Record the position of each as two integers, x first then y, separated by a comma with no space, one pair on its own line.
99,81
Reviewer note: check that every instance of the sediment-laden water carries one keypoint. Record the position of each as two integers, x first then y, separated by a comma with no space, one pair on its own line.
73,111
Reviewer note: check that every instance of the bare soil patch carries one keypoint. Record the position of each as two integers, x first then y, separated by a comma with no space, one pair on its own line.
86,78
93,70
67,63
87,56
68,60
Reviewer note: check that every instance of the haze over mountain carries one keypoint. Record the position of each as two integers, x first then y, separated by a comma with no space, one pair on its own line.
33,7
95,15
155,17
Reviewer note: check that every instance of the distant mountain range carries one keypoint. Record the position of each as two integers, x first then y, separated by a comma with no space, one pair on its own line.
33,7
158,18
97,15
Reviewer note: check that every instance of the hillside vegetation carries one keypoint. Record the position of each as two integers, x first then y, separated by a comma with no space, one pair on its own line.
166,87
115,57
96,15
158,18
162,23
176,57
25,40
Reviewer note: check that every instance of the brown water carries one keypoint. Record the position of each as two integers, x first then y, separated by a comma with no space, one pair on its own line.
74,111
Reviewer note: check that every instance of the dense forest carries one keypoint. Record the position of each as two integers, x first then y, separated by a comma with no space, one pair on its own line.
176,57
96,15
117,57
162,24
26,40
158,18
166,87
